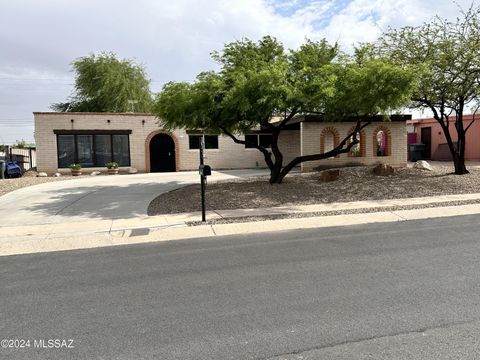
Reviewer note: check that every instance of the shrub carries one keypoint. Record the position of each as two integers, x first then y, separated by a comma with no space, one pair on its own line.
111,165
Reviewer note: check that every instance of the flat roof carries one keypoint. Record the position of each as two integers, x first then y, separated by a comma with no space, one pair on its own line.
92,113
374,118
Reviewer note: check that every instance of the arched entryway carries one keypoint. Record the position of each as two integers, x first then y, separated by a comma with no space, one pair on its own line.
162,153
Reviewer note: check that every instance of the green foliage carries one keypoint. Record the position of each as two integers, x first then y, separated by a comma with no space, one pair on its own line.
22,144
369,86
260,81
104,83
261,85
75,166
445,57
111,165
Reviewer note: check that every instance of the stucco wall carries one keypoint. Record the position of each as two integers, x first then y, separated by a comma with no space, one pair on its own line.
311,133
472,146
228,155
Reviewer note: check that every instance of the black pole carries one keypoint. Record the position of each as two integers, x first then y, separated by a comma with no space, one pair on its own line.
202,181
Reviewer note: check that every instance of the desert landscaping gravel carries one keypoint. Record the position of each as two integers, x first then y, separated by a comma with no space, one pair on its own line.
330,213
28,179
354,184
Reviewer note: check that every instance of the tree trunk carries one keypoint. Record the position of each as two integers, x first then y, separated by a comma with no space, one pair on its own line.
458,152
459,159
459,163
275,173
278,159
342,148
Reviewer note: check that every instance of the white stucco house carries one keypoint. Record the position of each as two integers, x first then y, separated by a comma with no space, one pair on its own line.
138,140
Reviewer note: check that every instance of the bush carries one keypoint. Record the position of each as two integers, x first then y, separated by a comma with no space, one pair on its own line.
75,166
111,165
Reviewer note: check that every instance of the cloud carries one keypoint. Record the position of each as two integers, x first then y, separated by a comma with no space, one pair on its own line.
173,39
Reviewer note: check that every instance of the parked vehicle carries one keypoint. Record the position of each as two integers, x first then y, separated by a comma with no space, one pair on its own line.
13,170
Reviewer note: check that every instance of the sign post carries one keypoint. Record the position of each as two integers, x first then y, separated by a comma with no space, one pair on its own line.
202,178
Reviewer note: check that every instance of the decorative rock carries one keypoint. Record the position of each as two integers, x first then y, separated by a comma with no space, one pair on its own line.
95,173
423,165
329,175
132,170
42,174
57,174
383,170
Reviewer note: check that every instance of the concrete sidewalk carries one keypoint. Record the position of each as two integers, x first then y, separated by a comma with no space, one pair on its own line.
98,198
96,233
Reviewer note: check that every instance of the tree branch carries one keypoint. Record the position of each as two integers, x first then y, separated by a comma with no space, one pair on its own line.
339,149
267,155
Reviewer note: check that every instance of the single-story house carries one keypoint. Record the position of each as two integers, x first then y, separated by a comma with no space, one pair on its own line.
430,133
138,140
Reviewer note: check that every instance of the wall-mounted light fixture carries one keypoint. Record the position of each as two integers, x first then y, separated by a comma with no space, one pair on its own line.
108,121
143,122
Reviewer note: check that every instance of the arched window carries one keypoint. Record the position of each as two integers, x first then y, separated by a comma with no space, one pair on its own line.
382,143
329,139
357,150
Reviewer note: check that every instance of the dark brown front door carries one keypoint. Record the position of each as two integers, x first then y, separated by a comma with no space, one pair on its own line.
426,138
162,153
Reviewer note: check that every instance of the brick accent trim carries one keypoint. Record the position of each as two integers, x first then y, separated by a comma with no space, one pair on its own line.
363,145
336,138
388,140
147,148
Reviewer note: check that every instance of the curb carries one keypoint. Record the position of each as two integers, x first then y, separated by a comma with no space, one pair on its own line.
131,236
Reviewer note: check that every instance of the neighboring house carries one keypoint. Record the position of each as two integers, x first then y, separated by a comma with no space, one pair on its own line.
138,140
430,133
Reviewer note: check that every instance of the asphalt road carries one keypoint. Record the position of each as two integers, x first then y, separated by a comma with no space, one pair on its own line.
398,290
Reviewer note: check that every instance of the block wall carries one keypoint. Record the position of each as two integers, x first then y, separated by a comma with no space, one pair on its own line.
312,132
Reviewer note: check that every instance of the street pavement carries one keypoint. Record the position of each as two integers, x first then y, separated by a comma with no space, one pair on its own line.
404,290
97,198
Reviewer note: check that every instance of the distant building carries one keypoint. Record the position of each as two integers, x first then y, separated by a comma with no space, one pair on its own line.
430,133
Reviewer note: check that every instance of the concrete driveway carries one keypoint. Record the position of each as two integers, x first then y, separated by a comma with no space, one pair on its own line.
97,198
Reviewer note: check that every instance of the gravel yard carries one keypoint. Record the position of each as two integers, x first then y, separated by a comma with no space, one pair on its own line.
28,179
354,184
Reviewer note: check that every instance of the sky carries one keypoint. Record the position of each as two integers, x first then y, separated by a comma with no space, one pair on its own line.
173,39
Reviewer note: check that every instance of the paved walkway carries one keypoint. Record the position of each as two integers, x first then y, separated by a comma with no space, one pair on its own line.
96,198
118,231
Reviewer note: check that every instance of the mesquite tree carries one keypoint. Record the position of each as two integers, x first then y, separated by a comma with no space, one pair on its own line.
446,56
263,86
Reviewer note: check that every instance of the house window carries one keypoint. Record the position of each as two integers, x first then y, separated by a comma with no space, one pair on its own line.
66,150
92,150
251,141
254,140
210,141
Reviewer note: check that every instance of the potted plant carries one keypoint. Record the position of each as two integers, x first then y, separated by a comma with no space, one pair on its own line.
112,168
76,169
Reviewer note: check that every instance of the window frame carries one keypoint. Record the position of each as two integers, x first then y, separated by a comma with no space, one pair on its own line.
202,136
257,136
94,152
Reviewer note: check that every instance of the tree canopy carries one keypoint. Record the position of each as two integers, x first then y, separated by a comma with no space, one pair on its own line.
260,85
446,58
104,83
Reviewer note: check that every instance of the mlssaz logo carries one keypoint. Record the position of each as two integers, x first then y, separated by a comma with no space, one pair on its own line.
53,344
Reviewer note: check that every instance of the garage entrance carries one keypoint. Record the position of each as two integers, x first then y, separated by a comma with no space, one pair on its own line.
162,153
